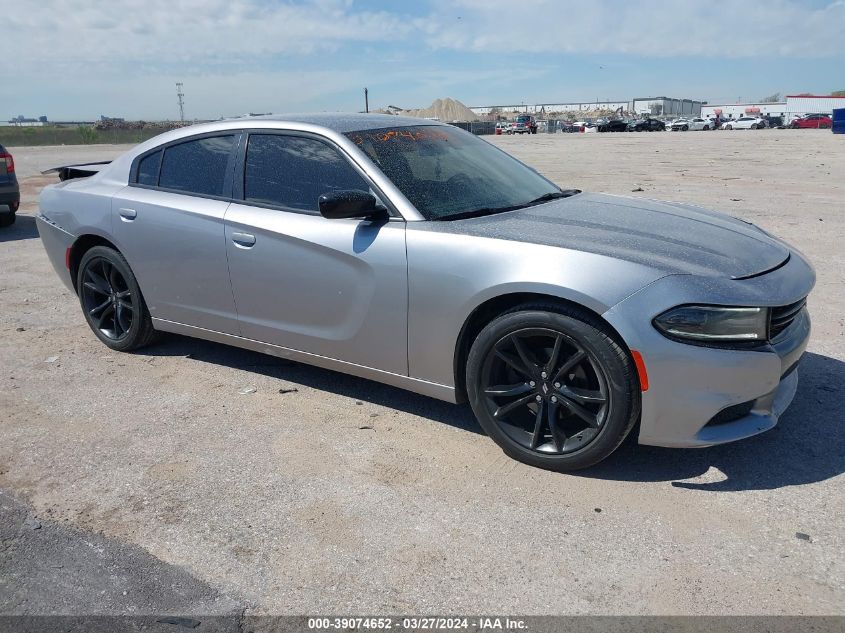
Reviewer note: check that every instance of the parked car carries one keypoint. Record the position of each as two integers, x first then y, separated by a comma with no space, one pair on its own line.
813,121
773,121
744,123
646,125
503,127
10,193
525,124
611,125
417,254
569,127
696,123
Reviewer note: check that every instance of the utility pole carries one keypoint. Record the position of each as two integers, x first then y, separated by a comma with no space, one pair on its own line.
366,101
180,95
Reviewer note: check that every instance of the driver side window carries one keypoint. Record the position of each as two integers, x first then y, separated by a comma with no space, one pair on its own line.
291,172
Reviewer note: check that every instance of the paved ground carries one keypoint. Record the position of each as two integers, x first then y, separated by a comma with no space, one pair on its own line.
346,496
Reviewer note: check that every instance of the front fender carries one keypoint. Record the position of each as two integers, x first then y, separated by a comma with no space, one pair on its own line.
450,276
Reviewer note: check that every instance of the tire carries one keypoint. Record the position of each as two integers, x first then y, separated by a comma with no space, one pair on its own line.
753,126
505,366
729,127
7,219
685,128
111,300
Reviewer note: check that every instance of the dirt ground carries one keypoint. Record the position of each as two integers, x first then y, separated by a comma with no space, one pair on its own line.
136,483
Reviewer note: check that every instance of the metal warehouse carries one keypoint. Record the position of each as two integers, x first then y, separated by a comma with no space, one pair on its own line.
794,106
666,106
541,108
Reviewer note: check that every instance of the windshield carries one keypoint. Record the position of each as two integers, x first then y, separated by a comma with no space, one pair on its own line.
447,173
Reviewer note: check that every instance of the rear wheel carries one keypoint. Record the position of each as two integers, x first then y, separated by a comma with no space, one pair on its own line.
552,387
111,300
7,219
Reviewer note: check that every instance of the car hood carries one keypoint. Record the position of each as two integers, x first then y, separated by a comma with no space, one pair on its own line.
672,237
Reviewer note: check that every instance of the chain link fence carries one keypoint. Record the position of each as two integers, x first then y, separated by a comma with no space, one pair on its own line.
477,127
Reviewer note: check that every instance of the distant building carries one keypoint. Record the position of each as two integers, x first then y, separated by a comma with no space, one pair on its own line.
795,106
22,121
737,110
666,106
543,108
657,106
799,105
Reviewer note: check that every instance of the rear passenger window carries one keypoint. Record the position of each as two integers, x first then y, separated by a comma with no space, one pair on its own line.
197,166
292,172
148,169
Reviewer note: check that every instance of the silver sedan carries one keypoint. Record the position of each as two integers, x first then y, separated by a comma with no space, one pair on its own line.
415,254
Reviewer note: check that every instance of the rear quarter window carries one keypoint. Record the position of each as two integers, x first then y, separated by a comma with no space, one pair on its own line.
148,169
197,166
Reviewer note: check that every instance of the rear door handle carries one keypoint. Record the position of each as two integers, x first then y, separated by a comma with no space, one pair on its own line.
243,240
128,215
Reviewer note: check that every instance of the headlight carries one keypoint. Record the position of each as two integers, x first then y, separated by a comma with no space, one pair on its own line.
714,323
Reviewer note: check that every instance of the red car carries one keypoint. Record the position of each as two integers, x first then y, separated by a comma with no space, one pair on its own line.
813,121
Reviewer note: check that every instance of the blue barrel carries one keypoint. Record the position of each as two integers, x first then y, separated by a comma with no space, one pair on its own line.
839,121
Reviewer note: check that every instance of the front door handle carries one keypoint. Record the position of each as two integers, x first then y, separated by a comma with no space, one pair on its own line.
243,240
128,215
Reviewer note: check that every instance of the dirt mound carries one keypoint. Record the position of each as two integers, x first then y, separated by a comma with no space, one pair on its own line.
445,110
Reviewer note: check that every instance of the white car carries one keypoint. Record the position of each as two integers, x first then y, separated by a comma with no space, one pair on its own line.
744,123
503,127
691,124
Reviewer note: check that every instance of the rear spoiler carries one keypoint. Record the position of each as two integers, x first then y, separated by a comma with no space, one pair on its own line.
83,170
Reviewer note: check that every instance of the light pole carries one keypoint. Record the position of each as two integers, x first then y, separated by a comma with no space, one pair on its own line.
179,96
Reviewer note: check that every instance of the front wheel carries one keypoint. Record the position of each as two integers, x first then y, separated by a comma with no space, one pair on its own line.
111,300
552,387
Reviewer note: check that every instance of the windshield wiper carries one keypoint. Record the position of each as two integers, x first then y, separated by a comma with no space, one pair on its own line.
554,195
475,213
563,193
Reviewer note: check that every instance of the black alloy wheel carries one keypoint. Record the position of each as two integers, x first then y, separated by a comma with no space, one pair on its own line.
545,391
111,300
107,299
552,386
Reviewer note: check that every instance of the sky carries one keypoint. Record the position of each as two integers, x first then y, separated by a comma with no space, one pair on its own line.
77,59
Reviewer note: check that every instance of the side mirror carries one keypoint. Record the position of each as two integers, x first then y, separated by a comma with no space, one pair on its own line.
350,203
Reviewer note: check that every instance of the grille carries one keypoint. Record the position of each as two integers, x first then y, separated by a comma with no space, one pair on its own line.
783,316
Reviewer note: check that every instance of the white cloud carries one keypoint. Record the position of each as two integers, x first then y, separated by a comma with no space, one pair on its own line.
650,28
78,58
67,34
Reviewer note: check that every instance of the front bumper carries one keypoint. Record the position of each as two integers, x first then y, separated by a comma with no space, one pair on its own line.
701,396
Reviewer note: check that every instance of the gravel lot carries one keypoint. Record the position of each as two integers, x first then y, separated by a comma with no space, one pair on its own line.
153,472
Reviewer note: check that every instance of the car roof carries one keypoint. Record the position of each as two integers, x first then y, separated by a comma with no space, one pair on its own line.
345,122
